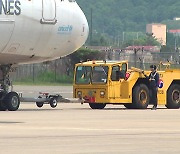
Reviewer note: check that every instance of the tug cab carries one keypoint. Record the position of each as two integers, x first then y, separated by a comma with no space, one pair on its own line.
111,82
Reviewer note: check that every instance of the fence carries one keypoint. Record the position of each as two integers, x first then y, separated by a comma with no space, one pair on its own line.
63,66
144,59
32,71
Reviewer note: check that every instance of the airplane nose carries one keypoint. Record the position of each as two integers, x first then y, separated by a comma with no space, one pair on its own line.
84,30
79,29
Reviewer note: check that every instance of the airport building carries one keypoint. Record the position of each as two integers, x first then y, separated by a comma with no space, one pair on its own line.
158,31
175,32
176,19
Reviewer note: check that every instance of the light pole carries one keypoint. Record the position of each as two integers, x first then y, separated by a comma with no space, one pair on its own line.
91,30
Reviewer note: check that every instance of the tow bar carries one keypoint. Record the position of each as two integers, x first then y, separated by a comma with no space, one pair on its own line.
46,98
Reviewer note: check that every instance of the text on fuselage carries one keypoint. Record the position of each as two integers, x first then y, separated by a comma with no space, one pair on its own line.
10,7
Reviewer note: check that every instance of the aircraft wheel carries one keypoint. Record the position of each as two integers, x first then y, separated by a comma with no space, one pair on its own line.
53,102
39,104
2,105
12,101
97,105
173,97
141,96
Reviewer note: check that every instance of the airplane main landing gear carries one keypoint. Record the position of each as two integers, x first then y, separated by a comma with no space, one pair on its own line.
9,100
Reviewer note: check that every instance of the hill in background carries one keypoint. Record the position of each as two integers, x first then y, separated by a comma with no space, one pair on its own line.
117,16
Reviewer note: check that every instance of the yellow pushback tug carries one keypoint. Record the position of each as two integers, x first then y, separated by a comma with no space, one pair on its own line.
106,82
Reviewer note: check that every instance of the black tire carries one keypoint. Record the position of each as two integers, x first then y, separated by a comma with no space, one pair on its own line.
173,97
97,105
140,96
129,106
3,107
12,101
39,104
53,102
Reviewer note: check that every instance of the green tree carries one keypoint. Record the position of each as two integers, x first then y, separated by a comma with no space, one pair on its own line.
146,40
83,54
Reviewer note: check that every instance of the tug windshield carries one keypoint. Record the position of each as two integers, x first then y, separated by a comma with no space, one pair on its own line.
100,74
93,75
83,74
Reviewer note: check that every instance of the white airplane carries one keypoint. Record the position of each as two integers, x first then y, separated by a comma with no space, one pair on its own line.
35,31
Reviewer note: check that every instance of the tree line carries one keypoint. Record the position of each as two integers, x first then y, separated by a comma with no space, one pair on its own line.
114,20
113,16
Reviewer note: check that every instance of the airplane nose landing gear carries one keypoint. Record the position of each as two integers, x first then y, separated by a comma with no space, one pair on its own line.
12,101
8,100
3,107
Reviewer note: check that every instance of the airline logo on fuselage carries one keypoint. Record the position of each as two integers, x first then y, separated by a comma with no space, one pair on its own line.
10,7
65,29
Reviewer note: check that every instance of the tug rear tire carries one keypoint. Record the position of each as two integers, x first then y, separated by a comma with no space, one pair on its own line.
173,97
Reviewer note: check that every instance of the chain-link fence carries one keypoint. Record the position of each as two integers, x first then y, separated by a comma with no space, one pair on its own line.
143,59
63,67
53,69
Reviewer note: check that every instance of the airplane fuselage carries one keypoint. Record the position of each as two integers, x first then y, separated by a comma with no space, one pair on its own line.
40,30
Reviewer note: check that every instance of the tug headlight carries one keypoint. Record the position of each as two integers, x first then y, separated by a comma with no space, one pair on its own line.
102,93
79,93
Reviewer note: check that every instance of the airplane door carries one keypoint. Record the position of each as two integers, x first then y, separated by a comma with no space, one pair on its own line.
48,12
6,30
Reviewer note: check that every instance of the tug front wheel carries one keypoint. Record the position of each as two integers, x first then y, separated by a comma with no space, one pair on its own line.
140,96
97,105
129,106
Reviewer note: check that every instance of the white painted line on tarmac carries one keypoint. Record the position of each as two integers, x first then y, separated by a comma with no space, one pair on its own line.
95,129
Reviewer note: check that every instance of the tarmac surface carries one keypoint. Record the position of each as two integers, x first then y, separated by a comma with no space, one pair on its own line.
77,129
